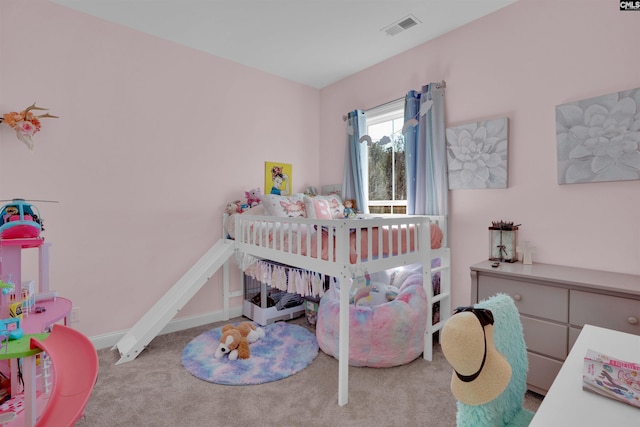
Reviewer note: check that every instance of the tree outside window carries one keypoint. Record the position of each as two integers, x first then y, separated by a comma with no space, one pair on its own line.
387,172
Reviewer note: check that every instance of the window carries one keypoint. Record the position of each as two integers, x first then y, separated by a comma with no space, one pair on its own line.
386,177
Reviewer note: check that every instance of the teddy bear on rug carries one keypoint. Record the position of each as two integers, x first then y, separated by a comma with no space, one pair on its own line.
235,340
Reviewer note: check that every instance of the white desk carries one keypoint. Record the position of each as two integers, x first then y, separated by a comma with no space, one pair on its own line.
566,404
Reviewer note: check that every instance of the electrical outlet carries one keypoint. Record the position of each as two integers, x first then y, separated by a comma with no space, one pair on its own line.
75,315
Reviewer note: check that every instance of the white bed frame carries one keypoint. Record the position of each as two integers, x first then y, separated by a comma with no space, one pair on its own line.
250,243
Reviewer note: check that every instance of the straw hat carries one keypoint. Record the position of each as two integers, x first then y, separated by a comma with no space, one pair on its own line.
481,373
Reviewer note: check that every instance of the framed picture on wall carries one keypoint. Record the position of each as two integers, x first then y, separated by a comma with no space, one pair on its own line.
477,154
277,178
598,139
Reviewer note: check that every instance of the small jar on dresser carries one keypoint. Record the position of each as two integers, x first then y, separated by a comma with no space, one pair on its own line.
555,302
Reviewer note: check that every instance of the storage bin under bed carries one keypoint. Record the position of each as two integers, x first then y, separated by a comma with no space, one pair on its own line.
264,304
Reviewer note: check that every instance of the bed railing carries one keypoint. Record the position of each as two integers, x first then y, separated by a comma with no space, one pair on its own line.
344,248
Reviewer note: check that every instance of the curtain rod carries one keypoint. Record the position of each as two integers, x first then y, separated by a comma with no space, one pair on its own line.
441,85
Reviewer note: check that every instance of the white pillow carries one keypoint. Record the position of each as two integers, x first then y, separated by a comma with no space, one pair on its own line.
284,206
335,204
317,208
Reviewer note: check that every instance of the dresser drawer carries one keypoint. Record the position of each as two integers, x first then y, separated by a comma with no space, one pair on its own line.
544,337
542,372
606,311
573,336
531,299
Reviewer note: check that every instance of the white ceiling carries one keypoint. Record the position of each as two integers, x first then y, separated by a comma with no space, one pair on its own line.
314,42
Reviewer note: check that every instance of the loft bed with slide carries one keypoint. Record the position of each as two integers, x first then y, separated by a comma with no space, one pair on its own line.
311,234
291,231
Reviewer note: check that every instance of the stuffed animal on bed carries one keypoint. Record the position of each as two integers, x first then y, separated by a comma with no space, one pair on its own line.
253,197
234,207
235,340
350,208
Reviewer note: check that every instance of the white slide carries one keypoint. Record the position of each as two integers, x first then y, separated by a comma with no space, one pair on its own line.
153,321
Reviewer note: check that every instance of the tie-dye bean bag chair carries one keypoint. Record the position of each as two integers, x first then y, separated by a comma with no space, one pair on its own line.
381,336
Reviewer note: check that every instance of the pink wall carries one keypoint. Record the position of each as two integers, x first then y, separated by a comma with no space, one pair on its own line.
151,142
153,139
519,62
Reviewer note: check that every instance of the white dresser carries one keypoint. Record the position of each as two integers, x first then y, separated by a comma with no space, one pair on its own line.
554,303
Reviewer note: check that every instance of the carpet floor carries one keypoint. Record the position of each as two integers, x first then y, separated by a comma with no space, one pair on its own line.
155,390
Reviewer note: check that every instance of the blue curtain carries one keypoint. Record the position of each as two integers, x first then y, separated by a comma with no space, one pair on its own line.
356,169
425,151
411,108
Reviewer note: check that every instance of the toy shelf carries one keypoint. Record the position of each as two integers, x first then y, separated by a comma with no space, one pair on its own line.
11,261
29,400
55,310
51,309
18,419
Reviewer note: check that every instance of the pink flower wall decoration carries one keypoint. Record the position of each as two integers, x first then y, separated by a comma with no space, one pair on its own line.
25,123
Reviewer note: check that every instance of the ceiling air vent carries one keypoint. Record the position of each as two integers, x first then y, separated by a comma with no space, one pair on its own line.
401,25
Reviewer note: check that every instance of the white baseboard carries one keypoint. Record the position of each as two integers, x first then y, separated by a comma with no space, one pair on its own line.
111,339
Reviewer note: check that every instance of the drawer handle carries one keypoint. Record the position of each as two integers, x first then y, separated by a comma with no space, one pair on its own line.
518,297
633,320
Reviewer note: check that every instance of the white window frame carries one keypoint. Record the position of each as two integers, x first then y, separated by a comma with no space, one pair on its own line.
389,111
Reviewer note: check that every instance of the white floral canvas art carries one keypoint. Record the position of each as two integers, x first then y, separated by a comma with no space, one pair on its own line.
598,138
477,154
